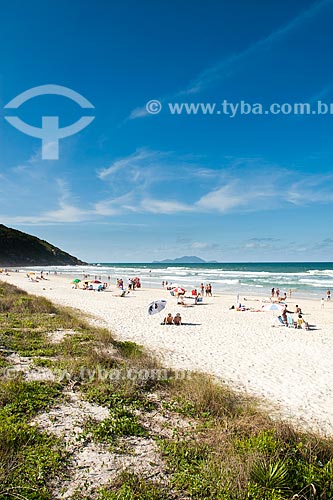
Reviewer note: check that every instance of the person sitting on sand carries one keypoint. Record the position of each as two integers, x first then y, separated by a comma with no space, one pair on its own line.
177,320
301,323
168,320
197,299
298,310
180,300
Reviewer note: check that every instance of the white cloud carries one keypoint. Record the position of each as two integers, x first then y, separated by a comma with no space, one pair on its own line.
311,189
199,245
157,182
164,206
133,161
138,113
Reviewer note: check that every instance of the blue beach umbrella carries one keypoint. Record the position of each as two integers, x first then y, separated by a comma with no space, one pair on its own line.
272,307
156,307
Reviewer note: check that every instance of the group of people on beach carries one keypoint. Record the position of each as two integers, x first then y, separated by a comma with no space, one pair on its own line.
299,322
276,295
132,283
170,320
205,290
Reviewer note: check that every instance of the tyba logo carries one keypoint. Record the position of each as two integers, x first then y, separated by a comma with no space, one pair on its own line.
49,133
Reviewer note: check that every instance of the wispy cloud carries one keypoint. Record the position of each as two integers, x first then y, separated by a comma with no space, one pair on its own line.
232,63
311,189
229,65
165,206
64,212
262,243
238,186
160,183
131,162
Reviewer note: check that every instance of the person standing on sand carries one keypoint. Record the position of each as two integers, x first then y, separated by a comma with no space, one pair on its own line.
328,295
284,313
322,302
273,293
202,288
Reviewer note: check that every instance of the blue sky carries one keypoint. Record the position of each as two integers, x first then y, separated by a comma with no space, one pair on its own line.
134,187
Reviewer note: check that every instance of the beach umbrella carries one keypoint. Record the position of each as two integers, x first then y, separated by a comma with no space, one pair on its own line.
156,307
31,272
96,281
178,290
272,307
76,281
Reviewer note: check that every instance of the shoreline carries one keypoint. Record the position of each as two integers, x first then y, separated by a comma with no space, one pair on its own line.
220,286
290,369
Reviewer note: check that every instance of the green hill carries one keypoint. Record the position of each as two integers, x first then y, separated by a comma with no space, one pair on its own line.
22,249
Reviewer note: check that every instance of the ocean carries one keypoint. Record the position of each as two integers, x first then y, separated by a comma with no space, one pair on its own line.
306,278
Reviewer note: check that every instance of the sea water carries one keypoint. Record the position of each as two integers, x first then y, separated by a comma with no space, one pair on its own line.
306,279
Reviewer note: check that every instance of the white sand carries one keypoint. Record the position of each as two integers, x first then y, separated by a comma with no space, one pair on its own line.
291,369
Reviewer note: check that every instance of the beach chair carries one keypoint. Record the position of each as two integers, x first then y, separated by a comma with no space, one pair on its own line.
291,322
280,320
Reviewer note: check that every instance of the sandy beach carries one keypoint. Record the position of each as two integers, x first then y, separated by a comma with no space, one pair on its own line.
290,368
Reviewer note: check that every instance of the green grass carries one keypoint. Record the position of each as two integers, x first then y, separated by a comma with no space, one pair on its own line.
129,349
129,486
29,459
121,422
24,399
274,464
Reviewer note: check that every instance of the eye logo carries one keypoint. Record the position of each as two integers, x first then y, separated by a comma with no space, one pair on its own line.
49,133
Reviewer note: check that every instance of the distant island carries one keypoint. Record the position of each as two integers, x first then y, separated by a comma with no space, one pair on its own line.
192,259
22,249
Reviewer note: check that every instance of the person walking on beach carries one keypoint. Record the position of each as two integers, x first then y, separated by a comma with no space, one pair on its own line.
273,293
202,288
328,295
322,303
